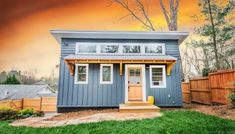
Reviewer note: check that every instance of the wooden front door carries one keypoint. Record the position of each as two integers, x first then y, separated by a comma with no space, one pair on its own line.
134,83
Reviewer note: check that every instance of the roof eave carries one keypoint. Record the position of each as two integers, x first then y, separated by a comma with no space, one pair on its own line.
172,35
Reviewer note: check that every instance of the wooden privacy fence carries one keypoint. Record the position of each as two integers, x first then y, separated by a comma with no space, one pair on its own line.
46,104
212,89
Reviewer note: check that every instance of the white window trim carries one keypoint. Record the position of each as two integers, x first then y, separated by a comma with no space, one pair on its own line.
76,76
142,48
163,73
101,75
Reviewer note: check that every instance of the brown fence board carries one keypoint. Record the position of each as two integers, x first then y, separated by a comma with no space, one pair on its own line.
222,85
32,103
46,104
200,91
186,92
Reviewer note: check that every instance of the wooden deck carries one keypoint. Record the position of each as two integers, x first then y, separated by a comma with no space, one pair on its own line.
138,106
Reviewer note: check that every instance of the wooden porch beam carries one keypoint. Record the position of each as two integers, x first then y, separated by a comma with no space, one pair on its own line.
71,63
121,68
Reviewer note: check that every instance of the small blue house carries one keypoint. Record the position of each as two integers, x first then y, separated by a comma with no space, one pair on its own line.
107,68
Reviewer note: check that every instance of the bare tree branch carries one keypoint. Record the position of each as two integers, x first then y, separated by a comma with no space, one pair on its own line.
140,5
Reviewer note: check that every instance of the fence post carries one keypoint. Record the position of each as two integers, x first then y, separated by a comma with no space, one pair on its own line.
22,101
41,104
210,89
190,94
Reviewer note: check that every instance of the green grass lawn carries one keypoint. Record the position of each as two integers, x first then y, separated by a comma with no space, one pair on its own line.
172,122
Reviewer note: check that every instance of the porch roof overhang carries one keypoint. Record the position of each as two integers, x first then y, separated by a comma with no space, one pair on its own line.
121,59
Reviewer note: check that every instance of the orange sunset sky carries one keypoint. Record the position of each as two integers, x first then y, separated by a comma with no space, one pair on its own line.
25,40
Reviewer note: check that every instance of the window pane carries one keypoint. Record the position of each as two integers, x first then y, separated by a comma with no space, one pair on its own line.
153,49
134,80
131,49
109,48
87,49
156,70
132,72
81,69
156,74
106,77
106,69
81,77
157,78
137,73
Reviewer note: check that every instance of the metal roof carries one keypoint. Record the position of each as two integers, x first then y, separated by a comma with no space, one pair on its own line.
24,91
120,57
171,35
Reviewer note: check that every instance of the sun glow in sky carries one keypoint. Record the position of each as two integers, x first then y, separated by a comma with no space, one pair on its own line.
25,40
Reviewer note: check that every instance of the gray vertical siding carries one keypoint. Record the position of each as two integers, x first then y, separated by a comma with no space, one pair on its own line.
95,94
92,94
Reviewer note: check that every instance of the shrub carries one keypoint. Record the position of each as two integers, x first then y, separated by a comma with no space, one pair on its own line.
232,95
25,113
205,72
232,98
29,112
7,113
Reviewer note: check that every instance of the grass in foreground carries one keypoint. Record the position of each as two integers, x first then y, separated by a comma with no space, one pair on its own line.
172,122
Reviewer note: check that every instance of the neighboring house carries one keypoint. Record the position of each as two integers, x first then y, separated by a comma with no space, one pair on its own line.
107,68
25,91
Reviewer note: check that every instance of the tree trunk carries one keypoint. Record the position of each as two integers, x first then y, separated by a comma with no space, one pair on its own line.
214,37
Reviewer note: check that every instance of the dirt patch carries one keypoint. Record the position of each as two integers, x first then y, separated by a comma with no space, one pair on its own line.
74,115
223,111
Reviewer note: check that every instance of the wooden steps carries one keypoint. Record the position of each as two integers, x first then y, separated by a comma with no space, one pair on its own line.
137,107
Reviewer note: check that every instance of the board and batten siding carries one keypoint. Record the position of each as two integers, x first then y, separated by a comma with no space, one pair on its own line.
95,94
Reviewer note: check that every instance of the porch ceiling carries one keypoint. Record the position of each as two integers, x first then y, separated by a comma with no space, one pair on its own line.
71,60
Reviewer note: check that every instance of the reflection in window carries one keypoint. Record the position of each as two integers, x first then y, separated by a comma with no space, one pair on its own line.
87,48
154,49
131,49
109,48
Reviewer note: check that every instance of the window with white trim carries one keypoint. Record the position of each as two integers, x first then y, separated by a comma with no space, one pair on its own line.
106,73
81,73
157,76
